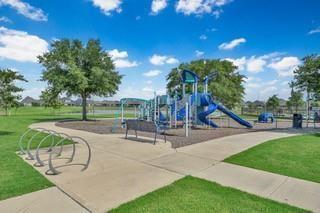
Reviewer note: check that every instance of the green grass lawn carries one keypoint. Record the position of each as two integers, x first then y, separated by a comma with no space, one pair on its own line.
297,156
16,176
197,195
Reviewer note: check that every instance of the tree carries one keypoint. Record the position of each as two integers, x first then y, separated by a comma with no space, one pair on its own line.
51,100
226,86
75,69
295,99
306,78
8,90
307,75
273,102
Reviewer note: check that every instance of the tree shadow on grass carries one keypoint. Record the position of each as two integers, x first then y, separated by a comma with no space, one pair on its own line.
2,133
38,120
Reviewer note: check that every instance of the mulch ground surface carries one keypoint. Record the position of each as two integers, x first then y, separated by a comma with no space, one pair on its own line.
177,136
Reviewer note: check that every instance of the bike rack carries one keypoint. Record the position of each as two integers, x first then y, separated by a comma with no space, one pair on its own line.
54,148
64,137
52,169
42,130
22,150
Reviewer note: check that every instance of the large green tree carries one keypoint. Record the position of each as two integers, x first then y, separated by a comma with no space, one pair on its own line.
306,78
226,86
296,98
273,102
79,70
307,75
9,96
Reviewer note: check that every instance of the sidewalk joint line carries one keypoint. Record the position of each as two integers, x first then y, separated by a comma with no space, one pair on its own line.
278,187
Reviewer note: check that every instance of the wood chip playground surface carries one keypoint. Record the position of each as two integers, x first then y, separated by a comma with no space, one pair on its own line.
177,136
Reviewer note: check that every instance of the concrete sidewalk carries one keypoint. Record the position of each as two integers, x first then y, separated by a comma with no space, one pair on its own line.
297,192
122,170
49,200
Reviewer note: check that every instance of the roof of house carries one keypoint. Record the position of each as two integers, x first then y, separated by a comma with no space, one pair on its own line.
29,100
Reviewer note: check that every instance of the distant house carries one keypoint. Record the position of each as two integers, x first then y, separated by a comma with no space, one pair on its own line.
110,103
66,101
29,101
282,103
134,103
255,104
259,104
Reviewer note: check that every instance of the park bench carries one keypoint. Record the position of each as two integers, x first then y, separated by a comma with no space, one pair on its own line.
145,126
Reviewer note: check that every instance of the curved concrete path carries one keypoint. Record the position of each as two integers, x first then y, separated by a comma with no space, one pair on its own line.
122,170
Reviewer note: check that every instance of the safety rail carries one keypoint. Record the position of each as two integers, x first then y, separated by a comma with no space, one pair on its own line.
56,148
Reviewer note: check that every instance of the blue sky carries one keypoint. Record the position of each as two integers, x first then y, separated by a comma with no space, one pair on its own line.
146,38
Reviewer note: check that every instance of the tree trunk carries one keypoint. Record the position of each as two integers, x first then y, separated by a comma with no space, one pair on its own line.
84,107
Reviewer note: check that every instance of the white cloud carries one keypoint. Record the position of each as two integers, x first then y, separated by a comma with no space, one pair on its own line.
162,59
157,59
32,92
21,46
285,83
149,82
148,89
250,79
158,5
285,66
145,92
255,64
256,88
25,9
152,73
5,19
199,7
239,62
253,85
273,55
125,63
203,37
116,54
271,83
232,44
120,59
268,91
199,53
314,31
108,6
172,60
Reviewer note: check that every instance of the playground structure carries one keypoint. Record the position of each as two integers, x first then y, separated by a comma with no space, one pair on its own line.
266,117
39,136
186,110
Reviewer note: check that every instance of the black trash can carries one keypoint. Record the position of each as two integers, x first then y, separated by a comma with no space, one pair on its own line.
297,121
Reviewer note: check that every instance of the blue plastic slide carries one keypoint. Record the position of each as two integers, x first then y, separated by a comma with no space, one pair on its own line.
206,100
234,116
202,116
181,113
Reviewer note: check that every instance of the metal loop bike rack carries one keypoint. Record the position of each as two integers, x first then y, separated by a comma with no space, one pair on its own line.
64,137
42,130
22,150
52,169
